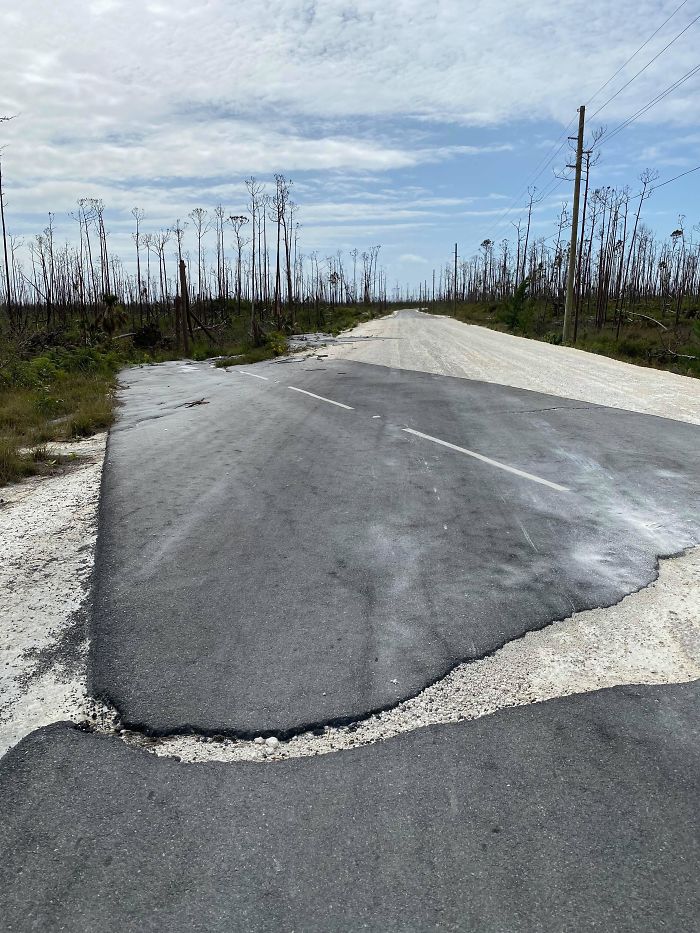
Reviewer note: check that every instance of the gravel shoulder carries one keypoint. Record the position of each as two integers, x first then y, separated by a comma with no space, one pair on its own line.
48,527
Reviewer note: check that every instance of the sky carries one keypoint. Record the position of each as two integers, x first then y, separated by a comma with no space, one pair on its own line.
412,125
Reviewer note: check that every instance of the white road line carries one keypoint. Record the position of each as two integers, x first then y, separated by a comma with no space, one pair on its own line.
244,372
321,398
496,463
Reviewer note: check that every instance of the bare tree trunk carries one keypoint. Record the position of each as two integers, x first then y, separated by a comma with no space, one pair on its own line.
8,286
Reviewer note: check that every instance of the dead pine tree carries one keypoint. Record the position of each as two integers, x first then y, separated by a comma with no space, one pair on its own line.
221,272
238,221
280,201
137,214
647,178
184,307
288,226
8,276
202,226
179,231
531,193
255,193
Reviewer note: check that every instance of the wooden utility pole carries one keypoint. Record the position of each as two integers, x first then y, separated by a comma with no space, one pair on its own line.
455,282
571,275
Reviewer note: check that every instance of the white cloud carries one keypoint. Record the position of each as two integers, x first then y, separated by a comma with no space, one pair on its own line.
163,104
413,259
85,68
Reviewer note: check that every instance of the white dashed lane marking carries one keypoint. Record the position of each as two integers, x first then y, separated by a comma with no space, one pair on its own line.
321,398
495,463
434,440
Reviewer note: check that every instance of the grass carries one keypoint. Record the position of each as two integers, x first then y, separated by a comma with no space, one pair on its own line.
58,396
66,390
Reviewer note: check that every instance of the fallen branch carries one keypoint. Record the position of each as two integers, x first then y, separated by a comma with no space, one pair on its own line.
646,316
206,330
681,356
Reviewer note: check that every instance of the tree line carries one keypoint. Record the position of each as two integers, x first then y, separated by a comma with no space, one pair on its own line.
195,273
624,270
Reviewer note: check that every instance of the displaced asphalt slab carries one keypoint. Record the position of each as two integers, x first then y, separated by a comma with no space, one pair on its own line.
578,814
269,561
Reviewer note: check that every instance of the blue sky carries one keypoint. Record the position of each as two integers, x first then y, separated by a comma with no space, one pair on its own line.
412,125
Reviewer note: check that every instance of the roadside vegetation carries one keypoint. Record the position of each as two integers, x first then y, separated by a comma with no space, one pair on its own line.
230,286
59,384
643,339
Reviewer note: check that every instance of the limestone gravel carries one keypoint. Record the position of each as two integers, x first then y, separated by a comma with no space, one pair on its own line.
434,344
48,528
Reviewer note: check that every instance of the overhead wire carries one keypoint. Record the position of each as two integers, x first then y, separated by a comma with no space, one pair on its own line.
540,167
635,53
642,70
676,177
646,107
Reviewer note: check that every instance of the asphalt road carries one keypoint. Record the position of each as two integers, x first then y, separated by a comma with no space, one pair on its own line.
574,815
323,539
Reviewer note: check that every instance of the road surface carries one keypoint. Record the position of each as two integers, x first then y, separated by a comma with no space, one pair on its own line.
299,543
575,815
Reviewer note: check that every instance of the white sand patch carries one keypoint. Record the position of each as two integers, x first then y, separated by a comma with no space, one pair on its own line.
47,538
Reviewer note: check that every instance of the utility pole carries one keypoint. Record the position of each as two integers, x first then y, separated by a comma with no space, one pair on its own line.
571,275
455,282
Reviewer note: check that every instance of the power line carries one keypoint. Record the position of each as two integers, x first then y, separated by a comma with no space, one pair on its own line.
634,54
641,70
642,110
659,97
676,177
546,161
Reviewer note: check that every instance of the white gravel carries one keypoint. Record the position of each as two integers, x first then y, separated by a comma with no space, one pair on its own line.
47,537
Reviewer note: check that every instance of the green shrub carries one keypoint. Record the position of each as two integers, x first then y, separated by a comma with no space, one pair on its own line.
516,313
276,341
634,348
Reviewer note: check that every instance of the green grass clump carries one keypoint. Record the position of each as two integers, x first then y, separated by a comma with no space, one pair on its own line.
62,394
13,465
244,354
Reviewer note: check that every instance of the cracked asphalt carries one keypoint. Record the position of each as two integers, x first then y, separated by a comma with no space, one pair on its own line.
320,539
